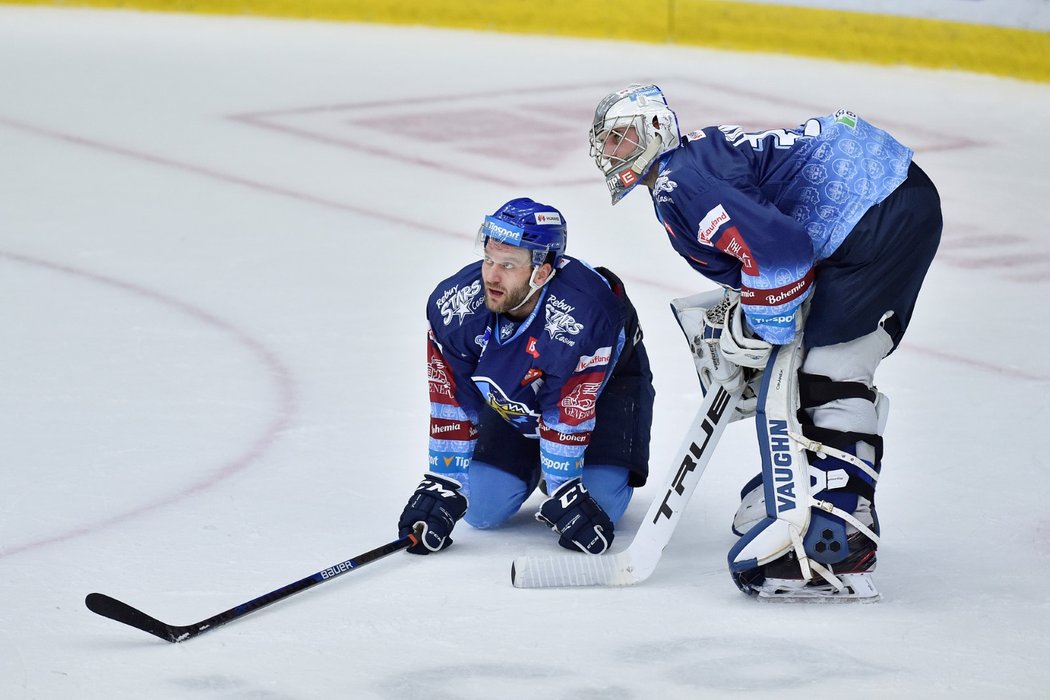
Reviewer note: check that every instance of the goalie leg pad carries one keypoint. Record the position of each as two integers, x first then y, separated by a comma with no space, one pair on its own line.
818,491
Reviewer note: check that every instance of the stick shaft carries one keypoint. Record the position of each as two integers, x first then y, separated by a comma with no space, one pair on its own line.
114,609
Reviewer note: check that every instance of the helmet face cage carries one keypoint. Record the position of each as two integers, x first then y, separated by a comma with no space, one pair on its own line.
523,223
608,137
639,117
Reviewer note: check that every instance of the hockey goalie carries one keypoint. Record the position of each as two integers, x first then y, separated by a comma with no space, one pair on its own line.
821,236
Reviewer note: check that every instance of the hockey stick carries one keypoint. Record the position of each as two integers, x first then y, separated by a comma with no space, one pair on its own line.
122,612
639,560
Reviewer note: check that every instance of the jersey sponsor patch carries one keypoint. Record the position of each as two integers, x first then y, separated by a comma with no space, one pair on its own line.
551,435
442,384
559,322
530,348
778,295
444,429
709,225
732,243
447,462
459,303
664,183
531,376
600,357
579,396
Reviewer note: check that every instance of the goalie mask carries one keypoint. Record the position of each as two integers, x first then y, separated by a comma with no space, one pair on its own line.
632,128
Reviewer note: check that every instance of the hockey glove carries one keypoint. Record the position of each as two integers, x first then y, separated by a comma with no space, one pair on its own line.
738,344
576,516
436,504
713,325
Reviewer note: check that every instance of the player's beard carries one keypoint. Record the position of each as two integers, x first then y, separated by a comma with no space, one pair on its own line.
507,301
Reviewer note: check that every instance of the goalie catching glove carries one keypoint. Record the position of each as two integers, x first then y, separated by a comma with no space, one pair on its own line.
573,514
437,505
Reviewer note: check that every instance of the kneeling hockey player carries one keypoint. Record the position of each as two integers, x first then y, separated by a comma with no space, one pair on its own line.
537,372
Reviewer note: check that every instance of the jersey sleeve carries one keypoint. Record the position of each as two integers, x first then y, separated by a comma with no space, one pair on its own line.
568,406
744,242
453,411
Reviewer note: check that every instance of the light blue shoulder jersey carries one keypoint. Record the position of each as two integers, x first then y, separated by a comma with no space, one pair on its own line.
756,211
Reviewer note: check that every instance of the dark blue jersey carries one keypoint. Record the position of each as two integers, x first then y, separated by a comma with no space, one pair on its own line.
756,212
542,375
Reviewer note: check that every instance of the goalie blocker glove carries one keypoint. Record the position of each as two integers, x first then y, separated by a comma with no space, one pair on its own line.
577,518
437,505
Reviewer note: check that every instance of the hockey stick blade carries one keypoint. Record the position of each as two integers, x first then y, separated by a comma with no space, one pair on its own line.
639,560
114,609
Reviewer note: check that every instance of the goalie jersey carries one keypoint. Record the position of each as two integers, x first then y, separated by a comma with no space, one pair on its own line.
757,211
543,375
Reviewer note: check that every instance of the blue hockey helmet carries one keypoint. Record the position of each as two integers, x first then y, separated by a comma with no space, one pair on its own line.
527,224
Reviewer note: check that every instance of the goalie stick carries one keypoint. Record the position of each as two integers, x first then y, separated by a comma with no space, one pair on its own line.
639,560
122,612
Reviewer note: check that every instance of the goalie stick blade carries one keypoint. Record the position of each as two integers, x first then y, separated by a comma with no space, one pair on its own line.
636,563
859,589
112,608
573,570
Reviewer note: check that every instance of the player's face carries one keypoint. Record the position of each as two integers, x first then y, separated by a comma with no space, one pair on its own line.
620,144
505,270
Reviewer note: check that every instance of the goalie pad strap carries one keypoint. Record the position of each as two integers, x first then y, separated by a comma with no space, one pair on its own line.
841,441
816,390
848,517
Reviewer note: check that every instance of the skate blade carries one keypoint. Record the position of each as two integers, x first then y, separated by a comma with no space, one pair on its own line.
859,588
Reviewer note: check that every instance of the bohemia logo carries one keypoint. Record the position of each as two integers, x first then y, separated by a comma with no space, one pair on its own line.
459,302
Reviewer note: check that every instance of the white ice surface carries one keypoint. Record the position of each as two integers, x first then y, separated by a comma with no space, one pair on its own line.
216,239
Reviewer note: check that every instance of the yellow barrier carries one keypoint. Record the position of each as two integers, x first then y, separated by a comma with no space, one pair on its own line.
740,26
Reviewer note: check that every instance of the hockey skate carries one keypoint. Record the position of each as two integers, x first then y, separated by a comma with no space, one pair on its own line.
781,580
850,580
